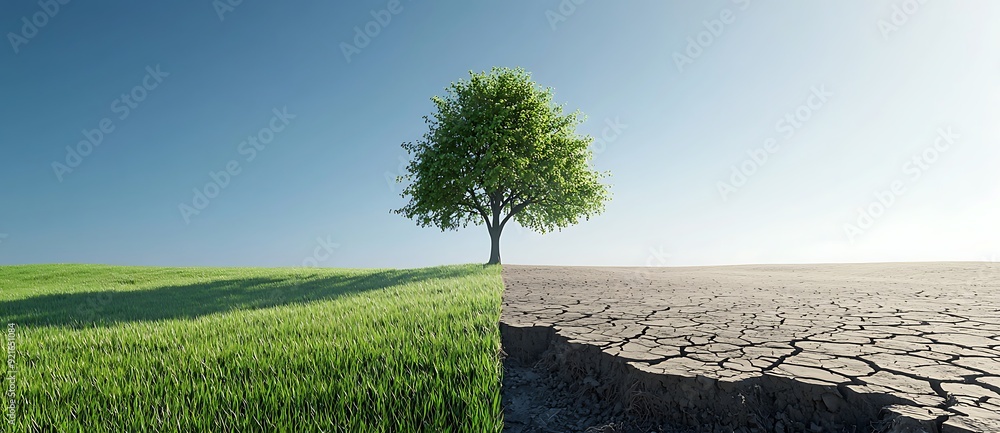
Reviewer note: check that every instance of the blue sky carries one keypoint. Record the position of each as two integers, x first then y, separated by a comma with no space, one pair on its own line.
736,131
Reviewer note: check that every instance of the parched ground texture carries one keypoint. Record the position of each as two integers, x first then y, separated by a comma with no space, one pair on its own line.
906,347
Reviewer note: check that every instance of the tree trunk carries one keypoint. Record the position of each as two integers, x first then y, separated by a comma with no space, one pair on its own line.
495,243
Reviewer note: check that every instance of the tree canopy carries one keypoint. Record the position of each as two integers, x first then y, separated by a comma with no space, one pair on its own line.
497,148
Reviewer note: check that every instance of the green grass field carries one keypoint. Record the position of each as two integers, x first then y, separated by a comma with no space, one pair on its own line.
142,349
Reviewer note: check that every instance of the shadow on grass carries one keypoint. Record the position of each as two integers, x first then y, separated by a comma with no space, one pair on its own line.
107,308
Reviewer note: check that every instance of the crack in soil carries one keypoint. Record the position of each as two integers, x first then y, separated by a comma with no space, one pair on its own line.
744,353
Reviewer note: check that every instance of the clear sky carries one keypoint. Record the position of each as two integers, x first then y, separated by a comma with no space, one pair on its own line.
736,131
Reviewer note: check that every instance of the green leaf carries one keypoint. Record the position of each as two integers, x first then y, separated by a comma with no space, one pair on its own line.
497,148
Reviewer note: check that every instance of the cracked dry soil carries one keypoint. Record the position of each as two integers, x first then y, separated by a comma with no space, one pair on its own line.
894,348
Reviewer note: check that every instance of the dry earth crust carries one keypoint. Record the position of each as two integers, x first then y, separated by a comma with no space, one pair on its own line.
911,348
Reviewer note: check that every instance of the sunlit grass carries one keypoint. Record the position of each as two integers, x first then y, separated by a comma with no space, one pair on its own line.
102,348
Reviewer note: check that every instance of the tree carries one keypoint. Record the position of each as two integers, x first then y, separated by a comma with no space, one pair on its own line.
498,148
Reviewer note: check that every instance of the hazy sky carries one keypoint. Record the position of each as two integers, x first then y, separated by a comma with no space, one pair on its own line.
736,131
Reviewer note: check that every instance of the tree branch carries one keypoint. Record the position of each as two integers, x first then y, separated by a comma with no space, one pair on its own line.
510,199
517,208
474,205
479,211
